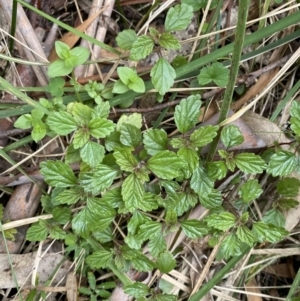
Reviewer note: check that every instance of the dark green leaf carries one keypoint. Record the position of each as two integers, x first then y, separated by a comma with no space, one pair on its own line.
204,135
56,233
245,235
178,17
286,204
250,163
142,263
231,246
191,160
288,187
58,174
274,217
193,228
165,165
135,221
155,141
68,196
222,221
149,230
72,155
250,190
99,259
166,262
61,215
282,163
216,170
268,232
187,113
231,136
211,200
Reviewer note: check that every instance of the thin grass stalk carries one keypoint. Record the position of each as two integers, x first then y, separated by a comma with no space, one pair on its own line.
236,57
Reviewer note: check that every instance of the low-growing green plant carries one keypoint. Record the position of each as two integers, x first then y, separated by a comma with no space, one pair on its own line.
125,175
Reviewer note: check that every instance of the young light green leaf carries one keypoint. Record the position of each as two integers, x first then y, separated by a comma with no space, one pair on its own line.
288,187
222,221
39,130
133,119
250,190
193,228
137,290
101,110
245,235
99,259
166,262
37,232
162,76
132,192
130,78
178,142
61,123
58,68
126,160
126,38
200,182
165,165
130,135
100,127
168,41
231,246
250,163
120,87
231,136
268,232
204,135
274,217
81,113
282,163
80,223
187,113
81,53
92,153
155,141
141,48
178,17
157,245
216,73
23,122
58,174
98,179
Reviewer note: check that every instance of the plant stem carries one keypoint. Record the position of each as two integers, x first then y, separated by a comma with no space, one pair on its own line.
236,56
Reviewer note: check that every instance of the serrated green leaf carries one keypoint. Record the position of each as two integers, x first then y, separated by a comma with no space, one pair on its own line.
101,110
245,235
274,217
187,113
149,230
193,228
211,200
168,41
72,155
200,182
130,135
178,142
216,170
282,164
100,127
231,136
216,73
126,38
126,160
178,17
141,48
133,242
61,215
163,297
165,165
157,245
166,262
133,119
204,135
99,209
155,141
81,113
132,192
268,232
148,202
98,179
92,153
250,163
56,233
250,190
162,76
61,123
58,174
135,221
288,187
231,246
37,232
80,223
286,204
81,137
137,289
142,263
222,221
99,259
295,120
191,160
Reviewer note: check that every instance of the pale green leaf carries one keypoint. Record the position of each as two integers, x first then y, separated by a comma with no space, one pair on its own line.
126,160
61,123
162,76
157,245
82,54
178,17
149,230
120,87
141,48
81,113
130,135
58,174
23,122
282,164
165,165
133,119
216,73
92,153
231,246
155,141
187,113
37,232
137,290
275,217
211,200
126,38
231,136
68,196
216,170
168,41
80,138
100,127
190,159
288,187
166,262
